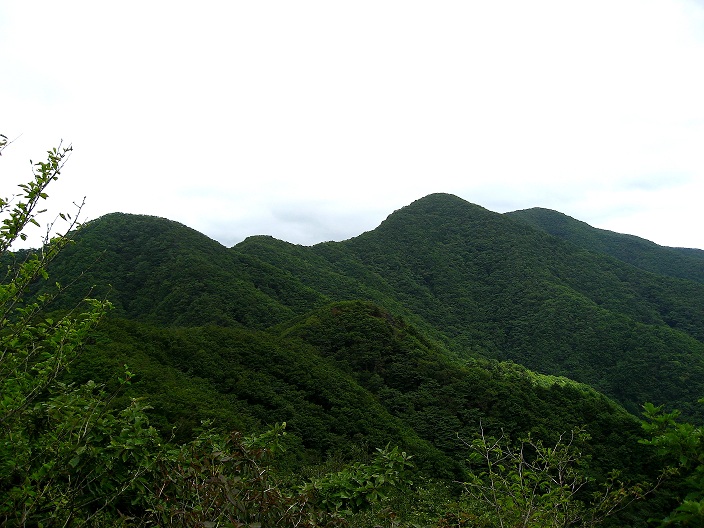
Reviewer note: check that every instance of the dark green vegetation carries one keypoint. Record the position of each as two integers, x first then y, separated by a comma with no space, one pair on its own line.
446,322
475,283
684,263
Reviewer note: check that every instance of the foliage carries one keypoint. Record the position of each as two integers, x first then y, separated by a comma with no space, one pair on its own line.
218,480
347,376
392,338
65,455
682,446
532,484
360,485
245,380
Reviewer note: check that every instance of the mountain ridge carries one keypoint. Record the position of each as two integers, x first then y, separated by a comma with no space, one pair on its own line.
686,263
445,321
481,283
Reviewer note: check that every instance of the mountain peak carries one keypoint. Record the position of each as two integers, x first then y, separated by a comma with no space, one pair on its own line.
439,203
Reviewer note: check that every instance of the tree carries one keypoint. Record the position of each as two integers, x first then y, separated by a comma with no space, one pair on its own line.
227,480
66,456
681,444
359,485
532,484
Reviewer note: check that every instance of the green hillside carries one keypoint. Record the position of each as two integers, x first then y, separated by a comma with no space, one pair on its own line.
349,376
162,272
491,287
480,284
446,320
452,367
683,263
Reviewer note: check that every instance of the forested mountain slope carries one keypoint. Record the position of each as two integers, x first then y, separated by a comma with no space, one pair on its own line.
348,376
156,270
480,284
683,263
444,321
498,288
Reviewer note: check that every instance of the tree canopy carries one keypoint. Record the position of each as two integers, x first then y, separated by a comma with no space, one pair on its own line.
150,376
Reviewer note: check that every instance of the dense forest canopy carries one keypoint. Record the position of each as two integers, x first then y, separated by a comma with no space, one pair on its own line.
482,285
453,367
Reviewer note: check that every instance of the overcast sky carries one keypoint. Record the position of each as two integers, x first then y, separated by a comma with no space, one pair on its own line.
314,120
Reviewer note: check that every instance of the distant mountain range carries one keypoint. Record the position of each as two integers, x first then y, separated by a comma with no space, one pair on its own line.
445,316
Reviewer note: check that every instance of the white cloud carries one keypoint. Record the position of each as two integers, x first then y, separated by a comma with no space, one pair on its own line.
247,117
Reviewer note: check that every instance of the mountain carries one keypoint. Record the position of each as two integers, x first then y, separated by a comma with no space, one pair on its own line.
684,263
478,283
489,286
445,321
347,376
163,272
